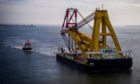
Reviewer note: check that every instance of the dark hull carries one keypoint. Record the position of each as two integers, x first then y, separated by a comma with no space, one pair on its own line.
102,65
27,49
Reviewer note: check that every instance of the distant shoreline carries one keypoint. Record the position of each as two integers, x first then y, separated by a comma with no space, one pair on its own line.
13,25
32,25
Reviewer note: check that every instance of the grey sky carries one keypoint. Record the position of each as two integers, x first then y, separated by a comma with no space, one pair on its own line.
122,12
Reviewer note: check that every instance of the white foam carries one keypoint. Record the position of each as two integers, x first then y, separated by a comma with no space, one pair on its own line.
17,47
47,51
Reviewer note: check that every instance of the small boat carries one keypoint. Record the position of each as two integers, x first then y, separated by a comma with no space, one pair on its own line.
28,46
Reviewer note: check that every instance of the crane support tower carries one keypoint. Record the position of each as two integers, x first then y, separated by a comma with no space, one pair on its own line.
92,53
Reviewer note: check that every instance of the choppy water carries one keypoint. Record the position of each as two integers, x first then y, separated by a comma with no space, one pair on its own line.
41,67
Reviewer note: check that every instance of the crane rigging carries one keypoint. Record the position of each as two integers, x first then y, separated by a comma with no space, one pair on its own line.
85,20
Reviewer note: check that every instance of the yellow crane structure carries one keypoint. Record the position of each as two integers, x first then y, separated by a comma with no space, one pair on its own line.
90,48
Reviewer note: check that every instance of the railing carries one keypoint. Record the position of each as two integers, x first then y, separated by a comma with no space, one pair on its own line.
109,55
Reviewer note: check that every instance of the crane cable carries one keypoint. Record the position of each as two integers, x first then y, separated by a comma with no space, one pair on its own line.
85,20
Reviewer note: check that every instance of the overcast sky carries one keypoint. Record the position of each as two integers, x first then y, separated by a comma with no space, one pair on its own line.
121,12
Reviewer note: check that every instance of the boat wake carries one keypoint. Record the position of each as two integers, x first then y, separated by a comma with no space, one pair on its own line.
41,50
17,47
39,47
47,51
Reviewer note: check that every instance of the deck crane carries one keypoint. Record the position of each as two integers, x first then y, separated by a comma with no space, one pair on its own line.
93,50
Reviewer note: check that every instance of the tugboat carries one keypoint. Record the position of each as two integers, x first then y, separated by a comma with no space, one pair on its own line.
28,46
92,53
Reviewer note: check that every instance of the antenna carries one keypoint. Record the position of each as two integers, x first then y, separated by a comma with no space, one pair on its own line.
102,6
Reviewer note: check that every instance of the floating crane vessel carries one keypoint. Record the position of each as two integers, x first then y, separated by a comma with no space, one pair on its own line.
92,53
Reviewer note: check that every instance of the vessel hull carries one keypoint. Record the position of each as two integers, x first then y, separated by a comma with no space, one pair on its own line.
27,49
99,65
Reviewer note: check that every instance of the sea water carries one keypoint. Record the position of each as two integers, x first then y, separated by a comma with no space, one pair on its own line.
40,65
